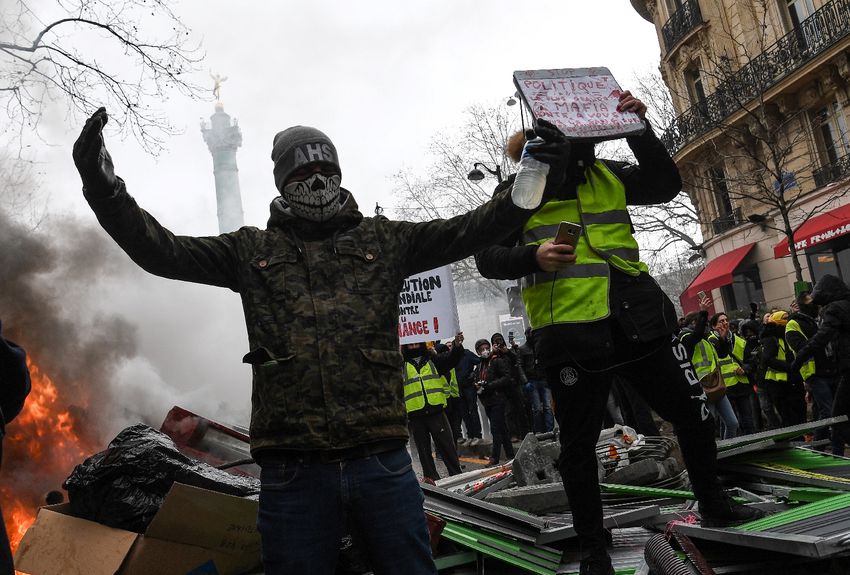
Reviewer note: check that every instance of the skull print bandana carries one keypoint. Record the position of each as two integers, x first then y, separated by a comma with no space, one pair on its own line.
315,198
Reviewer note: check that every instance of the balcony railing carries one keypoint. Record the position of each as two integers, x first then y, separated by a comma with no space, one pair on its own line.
813,36
727,222
683,20
833,172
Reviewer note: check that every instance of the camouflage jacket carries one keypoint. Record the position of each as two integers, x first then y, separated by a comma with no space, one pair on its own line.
320,304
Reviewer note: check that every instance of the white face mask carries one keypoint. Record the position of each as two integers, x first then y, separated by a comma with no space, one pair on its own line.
315,199
485,353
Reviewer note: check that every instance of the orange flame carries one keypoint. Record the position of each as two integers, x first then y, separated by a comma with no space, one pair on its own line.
40,450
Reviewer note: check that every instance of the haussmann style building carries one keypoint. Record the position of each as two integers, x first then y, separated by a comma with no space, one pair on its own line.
761,93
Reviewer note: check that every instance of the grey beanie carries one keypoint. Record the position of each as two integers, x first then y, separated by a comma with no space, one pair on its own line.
297,146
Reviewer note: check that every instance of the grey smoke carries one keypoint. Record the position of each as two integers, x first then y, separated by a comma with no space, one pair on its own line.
121,346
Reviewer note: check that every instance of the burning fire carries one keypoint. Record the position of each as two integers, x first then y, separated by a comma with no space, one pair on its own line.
41,447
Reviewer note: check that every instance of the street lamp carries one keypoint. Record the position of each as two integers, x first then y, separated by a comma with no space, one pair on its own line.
476,175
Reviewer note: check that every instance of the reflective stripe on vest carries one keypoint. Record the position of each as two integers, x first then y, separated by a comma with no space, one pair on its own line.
704,359
772,374
738,354
426,385
728,364
807,370
452,389
579,293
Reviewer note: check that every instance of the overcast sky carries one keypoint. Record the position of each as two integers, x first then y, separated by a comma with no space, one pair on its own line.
380,78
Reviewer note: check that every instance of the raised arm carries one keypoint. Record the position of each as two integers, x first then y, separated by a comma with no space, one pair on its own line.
208,260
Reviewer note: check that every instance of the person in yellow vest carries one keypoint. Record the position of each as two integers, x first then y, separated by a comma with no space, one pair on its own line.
708,368
454,403
730,348
595,312
784,386
425,402
819,372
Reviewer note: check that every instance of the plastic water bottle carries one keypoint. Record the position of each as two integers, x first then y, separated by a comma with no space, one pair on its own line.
530,179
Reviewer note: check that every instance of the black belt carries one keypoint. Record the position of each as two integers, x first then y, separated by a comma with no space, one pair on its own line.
272,456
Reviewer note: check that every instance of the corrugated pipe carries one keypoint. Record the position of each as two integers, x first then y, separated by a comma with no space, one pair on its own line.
663,560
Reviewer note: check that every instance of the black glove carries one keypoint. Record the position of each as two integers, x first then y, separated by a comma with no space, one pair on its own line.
91,158
554,150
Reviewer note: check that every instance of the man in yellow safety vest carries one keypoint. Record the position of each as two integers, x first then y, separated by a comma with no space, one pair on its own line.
596,312
425,401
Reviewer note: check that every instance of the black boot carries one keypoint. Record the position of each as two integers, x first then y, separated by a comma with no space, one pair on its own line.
722,511
597,564
600,565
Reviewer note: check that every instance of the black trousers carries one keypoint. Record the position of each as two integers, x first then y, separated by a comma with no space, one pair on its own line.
789,397
841,406
6,564
422,429
454,413
515,412
499,431
661,372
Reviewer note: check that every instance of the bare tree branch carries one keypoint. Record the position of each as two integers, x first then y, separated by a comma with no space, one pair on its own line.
444,191
91,53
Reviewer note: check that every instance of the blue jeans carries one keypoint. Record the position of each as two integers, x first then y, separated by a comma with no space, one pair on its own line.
723,411
306,505
742,404
541,406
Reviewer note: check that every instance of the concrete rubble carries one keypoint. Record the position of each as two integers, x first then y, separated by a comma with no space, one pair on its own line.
651,514
515,517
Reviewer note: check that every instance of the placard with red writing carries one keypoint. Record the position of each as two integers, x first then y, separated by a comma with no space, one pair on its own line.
427,308
581,102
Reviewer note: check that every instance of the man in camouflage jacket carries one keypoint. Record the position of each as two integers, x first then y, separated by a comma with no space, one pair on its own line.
328,422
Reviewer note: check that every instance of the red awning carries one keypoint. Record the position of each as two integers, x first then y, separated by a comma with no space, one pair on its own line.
718,272
816,230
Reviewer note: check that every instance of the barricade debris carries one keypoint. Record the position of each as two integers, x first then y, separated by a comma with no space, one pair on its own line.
148,504
645,491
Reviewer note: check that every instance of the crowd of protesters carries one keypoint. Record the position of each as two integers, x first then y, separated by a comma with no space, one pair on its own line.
778,369
445,384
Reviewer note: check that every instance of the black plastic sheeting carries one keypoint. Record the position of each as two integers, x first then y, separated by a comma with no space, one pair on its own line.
124,485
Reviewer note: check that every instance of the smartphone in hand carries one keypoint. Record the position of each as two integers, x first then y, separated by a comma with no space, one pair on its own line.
568,233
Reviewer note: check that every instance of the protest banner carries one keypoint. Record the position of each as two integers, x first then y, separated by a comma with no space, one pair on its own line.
581,102
427,309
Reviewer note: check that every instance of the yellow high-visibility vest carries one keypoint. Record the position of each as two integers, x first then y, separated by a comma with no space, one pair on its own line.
728,364
772,374
452,388
579,293
421,387
807,370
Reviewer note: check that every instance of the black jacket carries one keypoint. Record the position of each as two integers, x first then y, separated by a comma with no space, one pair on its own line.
532,369
824,365
834,298
640,311
15,381
495,372
465,368
770,350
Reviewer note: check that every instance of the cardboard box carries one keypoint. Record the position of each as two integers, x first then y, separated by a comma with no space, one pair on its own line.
196,531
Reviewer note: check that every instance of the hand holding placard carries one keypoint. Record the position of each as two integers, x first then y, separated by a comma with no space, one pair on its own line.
583,103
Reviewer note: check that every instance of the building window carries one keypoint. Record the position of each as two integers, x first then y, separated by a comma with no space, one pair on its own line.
720,191
808,30
673,5
830,258
798,10
696,91
831,134
745,288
